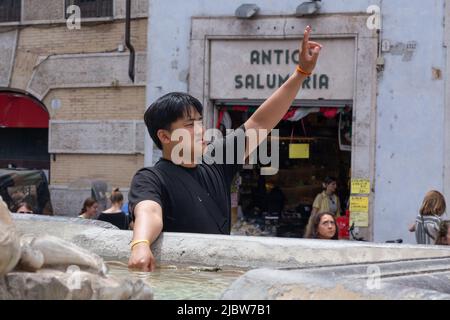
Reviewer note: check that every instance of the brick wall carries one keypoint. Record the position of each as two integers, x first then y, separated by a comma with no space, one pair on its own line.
118,170
44,40
125,103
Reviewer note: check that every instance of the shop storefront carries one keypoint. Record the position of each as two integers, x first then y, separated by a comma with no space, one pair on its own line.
395,82
235,69
315,142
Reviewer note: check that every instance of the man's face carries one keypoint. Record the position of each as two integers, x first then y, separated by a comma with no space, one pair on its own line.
188,131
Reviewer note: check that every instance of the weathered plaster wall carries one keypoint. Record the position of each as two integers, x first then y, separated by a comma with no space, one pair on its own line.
410,116
8,42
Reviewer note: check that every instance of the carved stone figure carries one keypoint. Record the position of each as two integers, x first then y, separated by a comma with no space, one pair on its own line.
48,267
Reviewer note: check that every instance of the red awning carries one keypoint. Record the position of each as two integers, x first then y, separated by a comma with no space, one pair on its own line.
21,111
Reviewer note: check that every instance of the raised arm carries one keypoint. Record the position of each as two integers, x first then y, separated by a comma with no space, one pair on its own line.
275,107
147,227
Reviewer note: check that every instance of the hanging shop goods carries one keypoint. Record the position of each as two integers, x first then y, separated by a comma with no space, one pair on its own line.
343,224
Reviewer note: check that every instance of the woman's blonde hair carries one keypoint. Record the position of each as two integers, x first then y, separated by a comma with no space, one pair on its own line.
433,204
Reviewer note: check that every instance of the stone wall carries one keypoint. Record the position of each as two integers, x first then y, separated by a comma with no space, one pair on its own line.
237,251
117,170
53,10
8,42
68,200
279,268
121,103
81,76
38,42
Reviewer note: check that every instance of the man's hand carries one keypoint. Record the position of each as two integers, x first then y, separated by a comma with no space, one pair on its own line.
309,52
273,109
142,258
147,226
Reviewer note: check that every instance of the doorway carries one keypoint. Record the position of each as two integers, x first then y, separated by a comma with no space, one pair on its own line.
24,122
315,142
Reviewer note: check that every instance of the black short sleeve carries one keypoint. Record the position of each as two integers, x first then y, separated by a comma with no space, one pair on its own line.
235,142
145,186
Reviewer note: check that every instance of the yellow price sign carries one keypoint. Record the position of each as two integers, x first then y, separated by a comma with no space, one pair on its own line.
360,186
359,204
361,219
298,151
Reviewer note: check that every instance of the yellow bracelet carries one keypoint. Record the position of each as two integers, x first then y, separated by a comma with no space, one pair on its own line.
301,71
135,242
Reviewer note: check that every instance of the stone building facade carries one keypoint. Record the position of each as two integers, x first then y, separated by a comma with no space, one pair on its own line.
95,111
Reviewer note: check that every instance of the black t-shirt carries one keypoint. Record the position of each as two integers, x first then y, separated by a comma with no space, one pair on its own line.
184,207
119,219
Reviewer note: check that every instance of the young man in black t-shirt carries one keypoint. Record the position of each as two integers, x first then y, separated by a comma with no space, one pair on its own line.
185,195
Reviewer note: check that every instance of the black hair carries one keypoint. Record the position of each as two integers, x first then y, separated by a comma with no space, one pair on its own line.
116,196
168,109
327,181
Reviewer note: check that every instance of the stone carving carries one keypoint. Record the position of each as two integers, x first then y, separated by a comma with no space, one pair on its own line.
47,267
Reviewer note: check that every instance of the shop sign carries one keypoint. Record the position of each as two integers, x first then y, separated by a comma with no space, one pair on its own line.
360,219
254,69
359,204
360,186
299,151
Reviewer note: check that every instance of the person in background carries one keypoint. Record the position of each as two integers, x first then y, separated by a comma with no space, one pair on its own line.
17,197
327,201
125,209
89,210
322,225
427,222
443,236
24,207
114,214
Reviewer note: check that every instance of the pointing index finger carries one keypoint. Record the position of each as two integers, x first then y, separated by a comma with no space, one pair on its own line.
306,38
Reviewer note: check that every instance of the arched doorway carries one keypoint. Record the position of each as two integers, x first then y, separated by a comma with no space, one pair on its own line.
24,122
